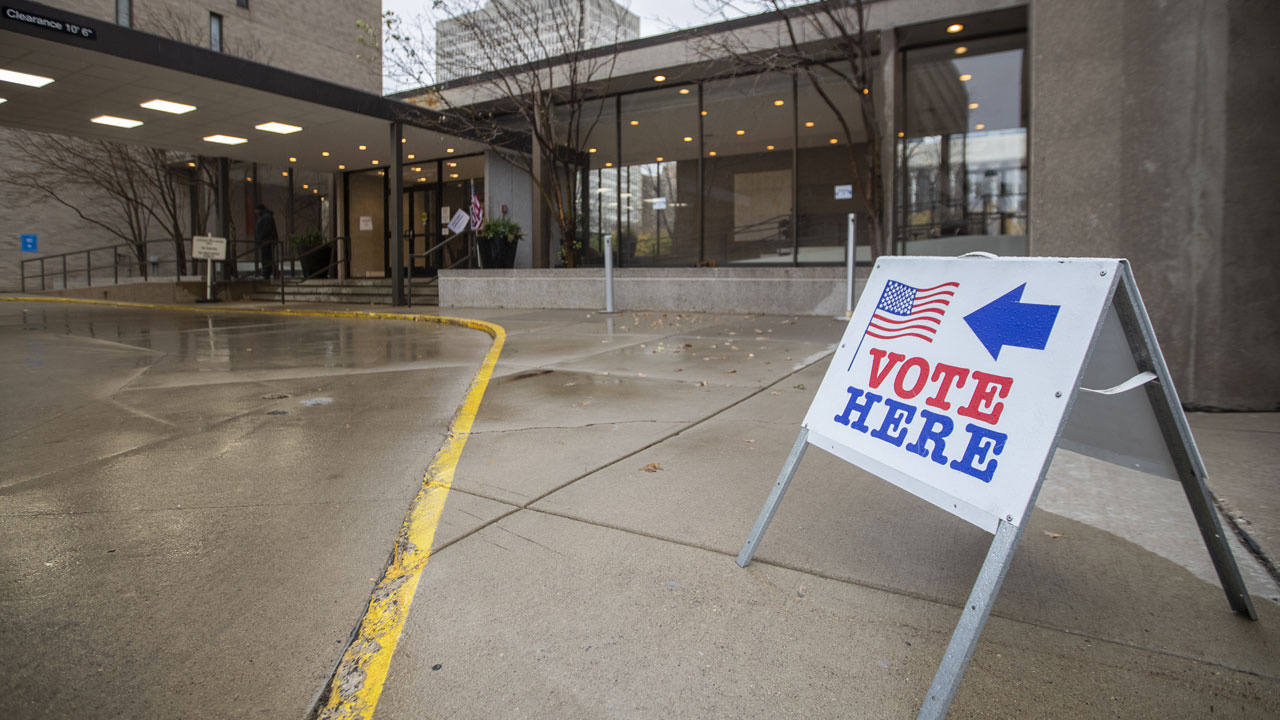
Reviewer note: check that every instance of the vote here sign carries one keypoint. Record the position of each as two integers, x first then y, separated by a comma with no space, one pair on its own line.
954,376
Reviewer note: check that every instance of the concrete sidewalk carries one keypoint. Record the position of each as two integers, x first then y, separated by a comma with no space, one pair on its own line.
584,562
617,464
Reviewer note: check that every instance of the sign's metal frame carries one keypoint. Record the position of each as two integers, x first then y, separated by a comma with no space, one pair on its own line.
1163,398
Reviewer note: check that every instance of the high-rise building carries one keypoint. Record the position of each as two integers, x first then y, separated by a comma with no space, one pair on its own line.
512,32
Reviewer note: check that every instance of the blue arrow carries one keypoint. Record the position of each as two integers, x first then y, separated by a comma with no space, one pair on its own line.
1008,321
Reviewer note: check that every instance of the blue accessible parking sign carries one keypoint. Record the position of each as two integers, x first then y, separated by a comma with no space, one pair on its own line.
29,243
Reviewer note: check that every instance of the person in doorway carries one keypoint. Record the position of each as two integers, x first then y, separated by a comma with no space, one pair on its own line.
265,237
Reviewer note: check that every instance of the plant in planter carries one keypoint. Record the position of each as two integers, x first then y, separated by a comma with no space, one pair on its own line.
312,251
497,239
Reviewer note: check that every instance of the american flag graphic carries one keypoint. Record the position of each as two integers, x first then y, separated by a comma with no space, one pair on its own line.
477,211
905,311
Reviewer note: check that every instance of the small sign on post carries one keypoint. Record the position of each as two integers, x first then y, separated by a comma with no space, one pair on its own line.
958,378
209,248
459,221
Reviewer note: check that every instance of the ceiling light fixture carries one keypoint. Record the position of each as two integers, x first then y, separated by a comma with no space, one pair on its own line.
973,106
114,121
284,174
961,50
191,163
306,186
417,169
742,132
779,103
448,150
324,153
688,139
374,162
635,122
35,81
452,164
704,113
684,91
902,134
659,78
833,141
979,126
659,159
362,147
712,153
591,150
809,123
966,77
342,167
453,175
278,128
954,28
225,139
608,164
409,156
768,147
293,159
175,108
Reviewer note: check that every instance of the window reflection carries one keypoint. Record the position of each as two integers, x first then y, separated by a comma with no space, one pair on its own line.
962,160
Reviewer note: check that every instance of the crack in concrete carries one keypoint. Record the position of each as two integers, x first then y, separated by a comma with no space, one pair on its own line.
576,427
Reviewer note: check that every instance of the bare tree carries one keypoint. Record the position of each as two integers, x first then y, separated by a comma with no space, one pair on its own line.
69,170
533,72
827,38
167,21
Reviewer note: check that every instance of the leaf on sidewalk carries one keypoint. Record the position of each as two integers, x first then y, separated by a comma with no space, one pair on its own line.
1053,534
652,467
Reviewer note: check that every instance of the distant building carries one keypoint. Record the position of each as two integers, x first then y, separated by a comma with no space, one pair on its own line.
458,45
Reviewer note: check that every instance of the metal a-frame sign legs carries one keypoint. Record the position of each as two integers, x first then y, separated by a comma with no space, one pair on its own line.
1122,342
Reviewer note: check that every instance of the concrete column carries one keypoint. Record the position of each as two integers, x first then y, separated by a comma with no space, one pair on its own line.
395,208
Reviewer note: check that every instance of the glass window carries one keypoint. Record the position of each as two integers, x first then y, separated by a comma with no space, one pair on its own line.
242,4
829,186
658,178
215,32
124,13
962,154
748,134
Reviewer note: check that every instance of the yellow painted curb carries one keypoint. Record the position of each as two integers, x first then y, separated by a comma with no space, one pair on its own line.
357,684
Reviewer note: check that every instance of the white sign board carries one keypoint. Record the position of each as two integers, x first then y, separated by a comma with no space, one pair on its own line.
205,247
953,377
366,222
660,203
844,192
459,221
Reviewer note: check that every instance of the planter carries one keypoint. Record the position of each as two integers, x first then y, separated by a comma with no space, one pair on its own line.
496,252
316,261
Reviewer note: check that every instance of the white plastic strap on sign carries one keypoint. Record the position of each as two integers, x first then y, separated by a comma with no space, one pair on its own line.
958,378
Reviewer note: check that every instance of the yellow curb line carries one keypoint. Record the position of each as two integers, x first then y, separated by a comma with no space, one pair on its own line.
357,684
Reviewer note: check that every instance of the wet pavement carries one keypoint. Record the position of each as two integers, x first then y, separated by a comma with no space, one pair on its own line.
172,549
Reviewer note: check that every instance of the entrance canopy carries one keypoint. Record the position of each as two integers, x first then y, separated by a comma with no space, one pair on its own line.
76,74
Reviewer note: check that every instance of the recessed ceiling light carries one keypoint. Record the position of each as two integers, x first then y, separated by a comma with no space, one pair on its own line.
18,78
742,132
382,173
688,139
315,191
966,77
375,162
659,78
422,179
293,159
191,163
342,167
973,106
833,141
954,28
114,121
902,134
324,153
248,179
684,91
306,186
712,153
591,150
175,108
448,150
979,126
635,122
225,139
284,174
453,175
404,140
659,158
808,123
452,164
768,147
410,156
704,112
779,103
417,169
961,50
866,91
2,100
608,164
278,128
363,147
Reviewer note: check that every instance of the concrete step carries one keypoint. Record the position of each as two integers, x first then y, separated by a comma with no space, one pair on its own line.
373,291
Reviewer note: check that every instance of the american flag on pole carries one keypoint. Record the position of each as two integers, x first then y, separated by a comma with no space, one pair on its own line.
905,311
477,211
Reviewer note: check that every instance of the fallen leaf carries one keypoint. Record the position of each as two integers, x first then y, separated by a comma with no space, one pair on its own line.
730,372
800,386
702,383
584,403
652,467
1053,534
750,441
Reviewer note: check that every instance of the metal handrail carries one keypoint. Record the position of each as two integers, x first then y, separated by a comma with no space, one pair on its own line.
467,258
145,267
